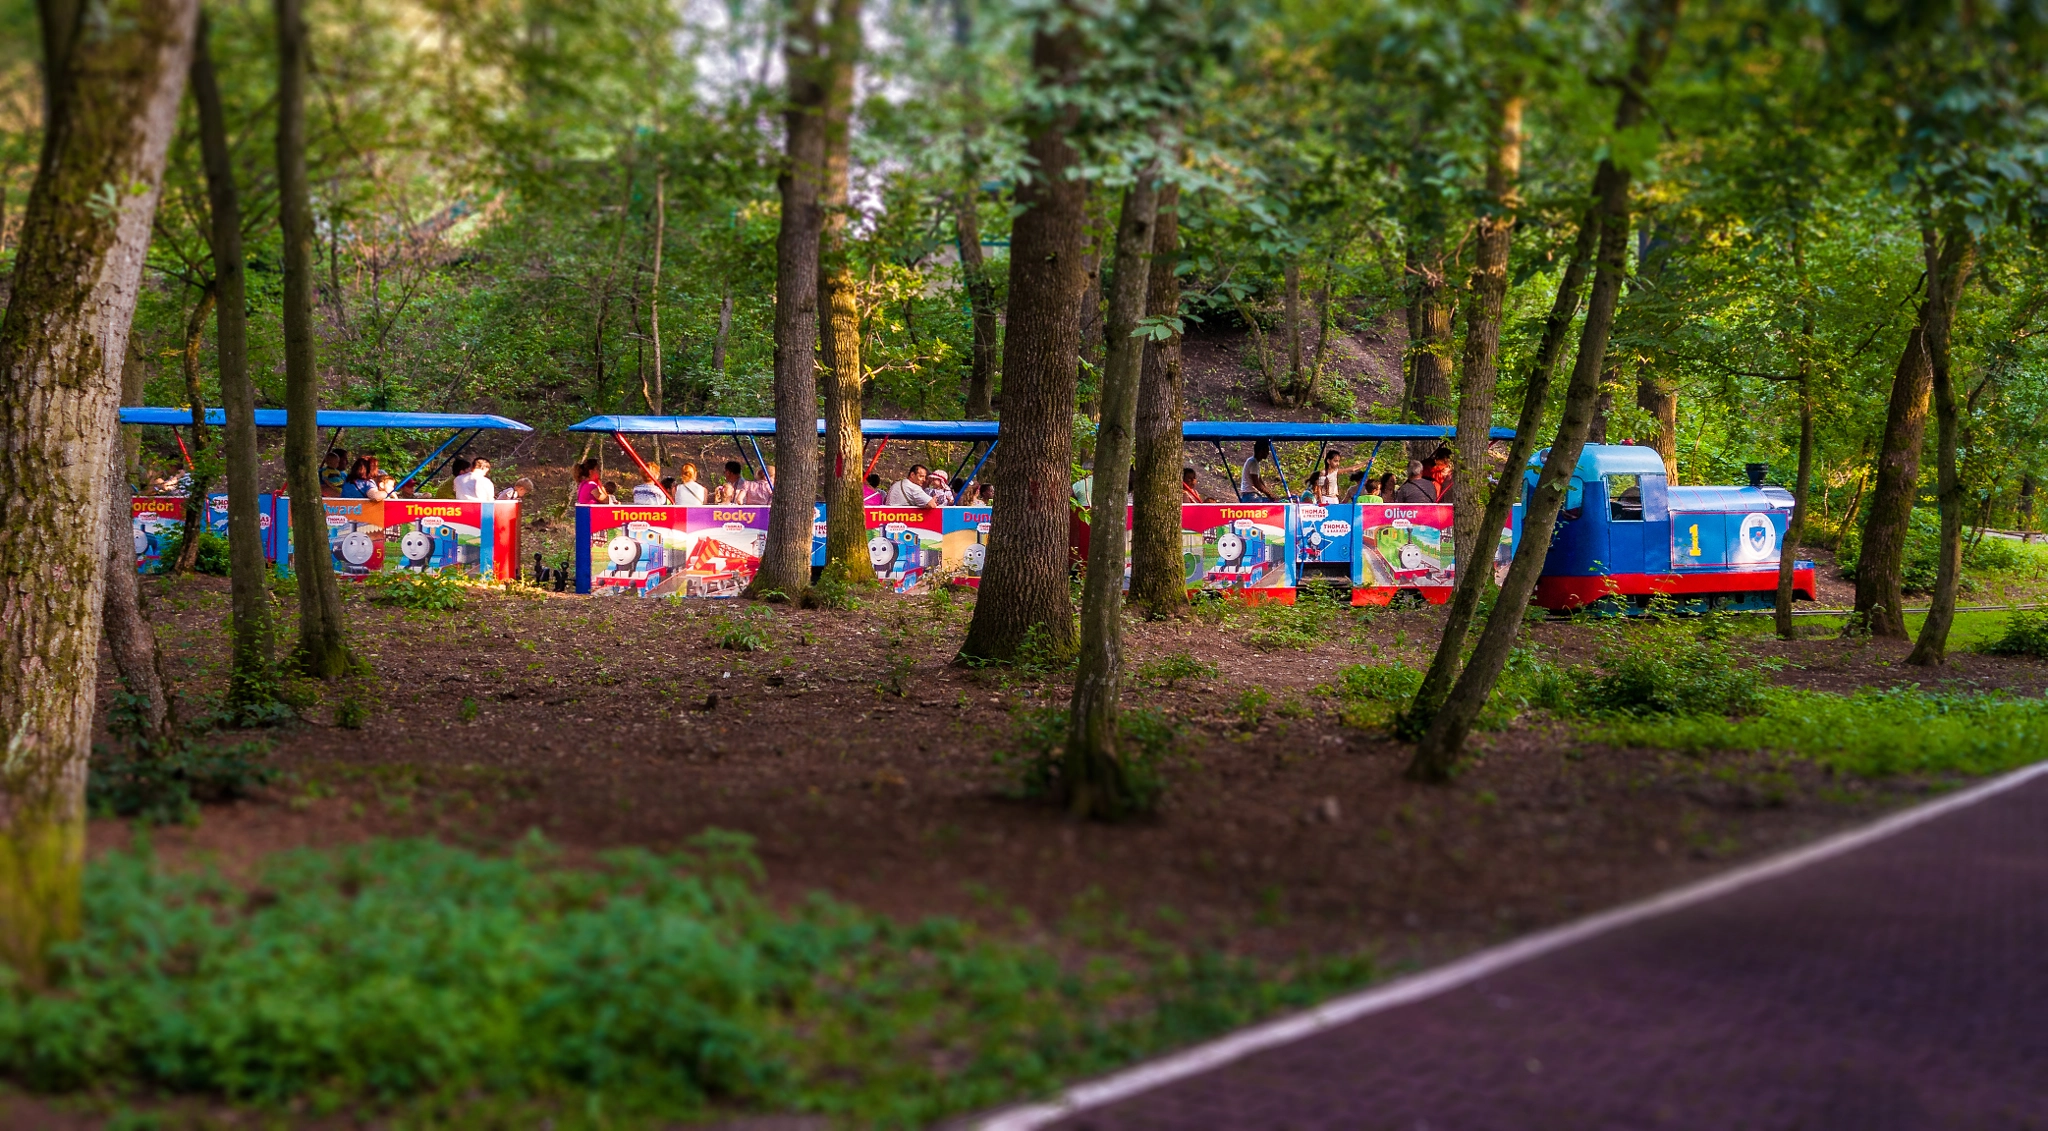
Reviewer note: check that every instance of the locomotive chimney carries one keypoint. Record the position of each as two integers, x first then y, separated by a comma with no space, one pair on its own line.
1756,473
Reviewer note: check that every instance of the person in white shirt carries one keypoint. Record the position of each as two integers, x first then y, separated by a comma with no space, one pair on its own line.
1251,486
517,491
476,482
759,492
909,491
689,492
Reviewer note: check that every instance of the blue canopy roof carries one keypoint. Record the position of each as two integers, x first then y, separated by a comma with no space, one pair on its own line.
334,418
986,429
1302,430
765,426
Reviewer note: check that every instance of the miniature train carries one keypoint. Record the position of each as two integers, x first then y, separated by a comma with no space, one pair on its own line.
1627,538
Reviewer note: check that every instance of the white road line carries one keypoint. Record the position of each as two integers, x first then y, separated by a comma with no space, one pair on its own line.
1338,1011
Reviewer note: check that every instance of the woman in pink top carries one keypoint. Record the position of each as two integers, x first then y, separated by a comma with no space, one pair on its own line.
874,496
589,490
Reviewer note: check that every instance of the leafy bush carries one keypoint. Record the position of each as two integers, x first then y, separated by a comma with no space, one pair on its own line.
744,631
2025,634
1374,696
1922,559
212,558
1173,667
1870,733
408,970
162,780
408,589
1673,669
1309,621
1038,745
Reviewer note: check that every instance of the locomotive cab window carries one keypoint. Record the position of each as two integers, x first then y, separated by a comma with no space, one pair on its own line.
1624,498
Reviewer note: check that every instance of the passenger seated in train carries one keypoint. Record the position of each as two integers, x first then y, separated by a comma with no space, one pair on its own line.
909,491
1189,493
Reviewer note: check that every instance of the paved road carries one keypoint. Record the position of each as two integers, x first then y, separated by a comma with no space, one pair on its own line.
1903,985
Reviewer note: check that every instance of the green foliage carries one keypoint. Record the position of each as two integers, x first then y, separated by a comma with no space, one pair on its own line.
1671,669
1311,620
351,713
1170,669
1871,733
1377,696
2025,634
834,590
1038,746
163,780
212,559
422,592
745,630
648,984
1250,708
1922,558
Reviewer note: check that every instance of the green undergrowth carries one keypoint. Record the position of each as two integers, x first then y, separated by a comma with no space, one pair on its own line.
1873,733
1372,696
408,589
1038,746
409,976
2025,633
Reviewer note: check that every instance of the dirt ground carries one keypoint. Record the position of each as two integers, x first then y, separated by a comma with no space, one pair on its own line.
863,761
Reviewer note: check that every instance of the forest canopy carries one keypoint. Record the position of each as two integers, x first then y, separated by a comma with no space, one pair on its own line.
484,181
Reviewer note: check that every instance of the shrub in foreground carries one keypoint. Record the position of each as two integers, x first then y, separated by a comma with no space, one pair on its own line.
407,971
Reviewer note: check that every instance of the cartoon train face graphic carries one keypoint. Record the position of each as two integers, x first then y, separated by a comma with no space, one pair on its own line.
1411,557
417,548
142,542
881,553
623,553
1230,551
355,549
974,557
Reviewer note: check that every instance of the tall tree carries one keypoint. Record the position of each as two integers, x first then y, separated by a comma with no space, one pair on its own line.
981,288
199,476
1093,775
1880,586
1477,575
1024,583
1479,372
846,532
1158,575
251,675
786,562
114,82
323,648
1436,755
130,636
1950,258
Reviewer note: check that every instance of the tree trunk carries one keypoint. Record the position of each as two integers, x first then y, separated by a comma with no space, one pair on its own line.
660,394
981,289
1802,484
786,563
846,528
1603,405
131,639
981,298
1436,756
63,339
1091,294
1475,575
1158,576
323,650
1428,399
1093,776
1658,396
1024,583
1880,588
1494,234
1947,273
1290,277
252,675
718,343
133,378
195,494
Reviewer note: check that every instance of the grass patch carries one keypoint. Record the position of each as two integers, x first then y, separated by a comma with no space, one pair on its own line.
743,631
1373,696
1312,619
1038,746
1870,733
409,972
1170,669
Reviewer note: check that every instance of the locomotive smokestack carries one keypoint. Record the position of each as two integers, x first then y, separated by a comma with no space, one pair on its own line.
1756,473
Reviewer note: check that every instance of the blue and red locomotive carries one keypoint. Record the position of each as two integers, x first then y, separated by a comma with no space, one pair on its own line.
1627,534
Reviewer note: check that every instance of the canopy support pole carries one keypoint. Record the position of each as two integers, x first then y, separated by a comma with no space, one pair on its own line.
976,473
964,460
182,450
879,449
429,477
1285,490
742,449
642,465
1367,476
759,456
